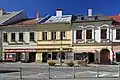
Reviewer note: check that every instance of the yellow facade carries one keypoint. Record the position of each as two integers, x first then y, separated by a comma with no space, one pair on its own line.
49,45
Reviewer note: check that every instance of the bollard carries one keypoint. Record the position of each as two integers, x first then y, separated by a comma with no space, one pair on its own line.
74,72
20,73
97,71
49,72
118,71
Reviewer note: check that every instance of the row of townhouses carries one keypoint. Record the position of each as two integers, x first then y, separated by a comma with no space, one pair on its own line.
66,37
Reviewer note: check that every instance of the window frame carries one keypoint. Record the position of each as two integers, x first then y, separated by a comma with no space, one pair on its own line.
32,38
21,40
53,35
44,35
79,32
117,36
90,33
105,37
62,34
5,40
13,39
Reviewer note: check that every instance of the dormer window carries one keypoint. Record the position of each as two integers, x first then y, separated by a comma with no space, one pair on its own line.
82,18
96,18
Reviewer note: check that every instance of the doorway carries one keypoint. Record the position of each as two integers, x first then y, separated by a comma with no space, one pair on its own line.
32,56
91,57
105,56
44,57
18,56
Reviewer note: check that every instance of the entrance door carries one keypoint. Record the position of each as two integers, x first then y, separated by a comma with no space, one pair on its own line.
44,57
91,57
105,56
32,56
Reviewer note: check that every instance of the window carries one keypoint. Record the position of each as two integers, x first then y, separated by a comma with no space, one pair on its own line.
44,35
82,18
20,36
89,34
80,56
78,34
117,34
5,37
103,33
62,35
12,37
32,36
53,35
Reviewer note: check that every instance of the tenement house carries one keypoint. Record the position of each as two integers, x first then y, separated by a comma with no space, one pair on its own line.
92,38
54,41
19,40
7,18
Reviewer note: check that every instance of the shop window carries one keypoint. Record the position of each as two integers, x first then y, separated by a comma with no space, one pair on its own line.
12,37
80,56
62,35
103,33
117,34
5,37
88,34
32,36
21,37
44,35
53,35
78,34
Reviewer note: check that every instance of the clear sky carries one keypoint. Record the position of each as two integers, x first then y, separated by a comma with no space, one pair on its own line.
106,7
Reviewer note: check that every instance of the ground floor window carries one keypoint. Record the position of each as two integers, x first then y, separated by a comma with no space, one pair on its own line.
80,56
118,57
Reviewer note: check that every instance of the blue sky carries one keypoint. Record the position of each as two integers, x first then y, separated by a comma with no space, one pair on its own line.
106,7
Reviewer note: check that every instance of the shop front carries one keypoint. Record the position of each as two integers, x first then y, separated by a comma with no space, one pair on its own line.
53,55
23,55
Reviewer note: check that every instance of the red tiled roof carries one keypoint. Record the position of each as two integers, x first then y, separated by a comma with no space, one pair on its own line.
115,18
27,22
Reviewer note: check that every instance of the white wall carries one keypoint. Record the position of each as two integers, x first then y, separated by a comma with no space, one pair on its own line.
26,31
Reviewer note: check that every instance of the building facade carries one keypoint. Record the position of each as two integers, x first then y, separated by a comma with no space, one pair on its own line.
19,41
54,42
7,18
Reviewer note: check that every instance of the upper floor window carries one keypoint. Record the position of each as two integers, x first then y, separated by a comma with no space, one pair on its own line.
20,36
62,35
78,34
103,33
44,35
117,34
53,35
5,37
12,37
88,34
32,36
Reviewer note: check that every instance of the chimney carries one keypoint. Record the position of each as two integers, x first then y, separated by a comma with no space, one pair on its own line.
89,12
1,11
59,12
37,15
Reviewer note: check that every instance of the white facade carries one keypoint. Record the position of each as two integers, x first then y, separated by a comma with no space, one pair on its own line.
25,44
96,38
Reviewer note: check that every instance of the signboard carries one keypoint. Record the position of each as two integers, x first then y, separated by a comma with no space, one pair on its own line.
20,50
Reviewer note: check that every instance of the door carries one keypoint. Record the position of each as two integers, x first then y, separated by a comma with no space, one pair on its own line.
91,57
105,56
44,57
